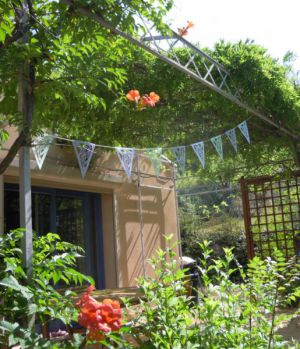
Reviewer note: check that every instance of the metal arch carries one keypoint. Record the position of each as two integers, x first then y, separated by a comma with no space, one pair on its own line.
200,66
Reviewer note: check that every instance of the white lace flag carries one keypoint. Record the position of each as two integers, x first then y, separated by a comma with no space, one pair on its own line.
217,142
199,150
244,129
84,152
179,152
41,148
232,138
155,157
126,156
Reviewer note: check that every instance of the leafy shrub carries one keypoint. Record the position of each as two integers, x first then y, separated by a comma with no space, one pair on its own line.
23,299
228,233
229,314
163,318
244,315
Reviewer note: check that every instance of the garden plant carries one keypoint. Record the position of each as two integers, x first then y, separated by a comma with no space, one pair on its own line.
229,314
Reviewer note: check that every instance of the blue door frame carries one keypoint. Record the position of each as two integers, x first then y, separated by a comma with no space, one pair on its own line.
92,226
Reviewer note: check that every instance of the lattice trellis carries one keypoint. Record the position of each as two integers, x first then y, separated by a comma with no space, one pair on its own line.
272,215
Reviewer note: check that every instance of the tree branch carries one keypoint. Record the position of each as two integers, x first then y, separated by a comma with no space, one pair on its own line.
19,30
12,152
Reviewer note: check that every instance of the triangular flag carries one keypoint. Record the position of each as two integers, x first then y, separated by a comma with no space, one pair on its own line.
179,152
84,152
199,150
217,142
232,138
41,148
244,129
155,157
126,156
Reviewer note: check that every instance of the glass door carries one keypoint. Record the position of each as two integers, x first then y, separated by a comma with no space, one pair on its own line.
75,216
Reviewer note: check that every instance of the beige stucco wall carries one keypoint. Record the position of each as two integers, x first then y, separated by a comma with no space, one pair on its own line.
122,212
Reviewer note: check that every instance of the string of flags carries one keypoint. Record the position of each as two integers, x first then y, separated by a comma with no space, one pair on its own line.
84,151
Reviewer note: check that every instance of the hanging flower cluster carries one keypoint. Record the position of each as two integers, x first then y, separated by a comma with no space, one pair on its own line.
144,101
98,317
185,30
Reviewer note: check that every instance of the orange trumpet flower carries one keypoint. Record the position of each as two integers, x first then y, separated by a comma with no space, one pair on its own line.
149,100
98,317
184,31
133,95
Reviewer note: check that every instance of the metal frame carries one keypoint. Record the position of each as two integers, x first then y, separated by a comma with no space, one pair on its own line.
271,208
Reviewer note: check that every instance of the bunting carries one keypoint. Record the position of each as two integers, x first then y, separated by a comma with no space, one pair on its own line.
41,148
244,129
126,156
84,152
232,138
217,142
155,157
179,153
199,150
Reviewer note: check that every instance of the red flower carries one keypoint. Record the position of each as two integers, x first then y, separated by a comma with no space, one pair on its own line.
96,336
98,318
184,31
133,95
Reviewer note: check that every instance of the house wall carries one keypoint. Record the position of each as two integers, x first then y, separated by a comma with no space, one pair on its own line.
125,217
158,217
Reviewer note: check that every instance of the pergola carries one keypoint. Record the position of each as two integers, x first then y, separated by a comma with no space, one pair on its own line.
199,66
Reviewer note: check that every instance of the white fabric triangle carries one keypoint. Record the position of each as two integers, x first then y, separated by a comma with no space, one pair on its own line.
155,157
180,154
217,142
41,147
126,156
232,138
199,150
84,152
244,129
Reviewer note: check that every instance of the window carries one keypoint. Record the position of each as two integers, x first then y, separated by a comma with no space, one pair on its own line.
75,216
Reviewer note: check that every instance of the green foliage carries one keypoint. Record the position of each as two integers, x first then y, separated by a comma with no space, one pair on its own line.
188,112
79,66
229,314
215,216
244,315
163,318
229,233
82,76
22,298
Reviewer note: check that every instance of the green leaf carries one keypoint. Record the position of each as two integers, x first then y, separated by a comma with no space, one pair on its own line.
8,326
12,283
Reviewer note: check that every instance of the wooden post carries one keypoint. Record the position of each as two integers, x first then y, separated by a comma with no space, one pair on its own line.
296,150
247,218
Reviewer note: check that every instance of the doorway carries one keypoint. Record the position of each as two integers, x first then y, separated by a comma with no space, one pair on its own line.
75,216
